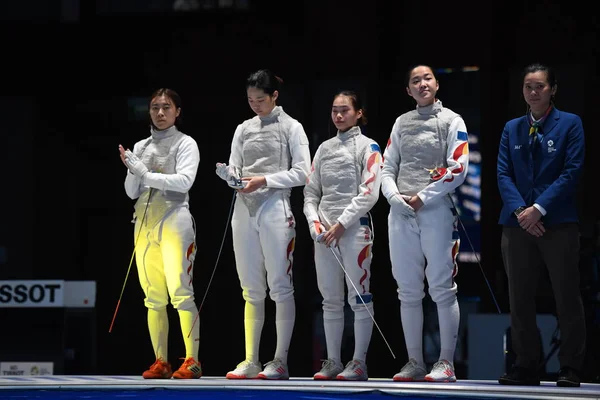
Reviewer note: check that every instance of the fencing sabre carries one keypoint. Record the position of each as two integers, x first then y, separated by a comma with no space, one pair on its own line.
216,262
130,261
361,299
475,254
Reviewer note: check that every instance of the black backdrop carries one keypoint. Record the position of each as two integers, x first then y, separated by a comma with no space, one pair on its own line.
71,67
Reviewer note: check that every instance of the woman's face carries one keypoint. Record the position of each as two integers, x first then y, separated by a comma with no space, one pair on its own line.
537,91
260,102
422,85
163,112
343,114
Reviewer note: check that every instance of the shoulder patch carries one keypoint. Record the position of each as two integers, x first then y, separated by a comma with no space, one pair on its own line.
375,147
462,136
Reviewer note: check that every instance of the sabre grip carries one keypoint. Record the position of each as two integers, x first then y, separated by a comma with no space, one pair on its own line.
237,183
319,237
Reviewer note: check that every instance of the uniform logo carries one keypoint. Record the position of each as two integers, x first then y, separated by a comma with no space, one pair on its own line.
436,173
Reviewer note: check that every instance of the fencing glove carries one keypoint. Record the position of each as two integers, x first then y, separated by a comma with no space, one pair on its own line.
229,175
135,165
400,206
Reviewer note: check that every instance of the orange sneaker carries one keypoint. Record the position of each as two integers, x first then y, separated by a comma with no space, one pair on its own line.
190,369
159,370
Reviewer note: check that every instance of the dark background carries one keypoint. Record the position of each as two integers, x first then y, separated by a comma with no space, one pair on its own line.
75,70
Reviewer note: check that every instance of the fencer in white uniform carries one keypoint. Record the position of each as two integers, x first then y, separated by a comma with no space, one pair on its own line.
425,160
270,154
342,187
162,170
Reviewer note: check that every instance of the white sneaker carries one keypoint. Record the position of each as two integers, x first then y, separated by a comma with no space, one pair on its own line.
275,369
245,370
442,371
329,370
411,372
355,370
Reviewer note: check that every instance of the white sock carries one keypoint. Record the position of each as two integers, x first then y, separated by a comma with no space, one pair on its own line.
191,340
334,331
285,315
449,319
158,326
412,325
254,319
363,328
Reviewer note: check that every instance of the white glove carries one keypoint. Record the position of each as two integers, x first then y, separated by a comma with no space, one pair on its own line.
400,206
229,175
135,165
316,228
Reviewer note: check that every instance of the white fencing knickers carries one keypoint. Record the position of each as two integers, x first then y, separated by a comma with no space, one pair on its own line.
425,246
264,247
355,247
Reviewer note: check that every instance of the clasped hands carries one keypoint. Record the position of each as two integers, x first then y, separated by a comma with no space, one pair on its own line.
406,206
329,237
529,220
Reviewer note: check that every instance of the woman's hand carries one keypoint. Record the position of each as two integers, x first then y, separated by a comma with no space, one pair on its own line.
253,184
529,217
122,154
537,229
415,202
333,235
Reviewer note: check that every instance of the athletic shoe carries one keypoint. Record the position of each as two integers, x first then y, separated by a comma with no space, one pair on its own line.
275,369
245,370
356,370
159,370
411,372
329,370
442,371
190,369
